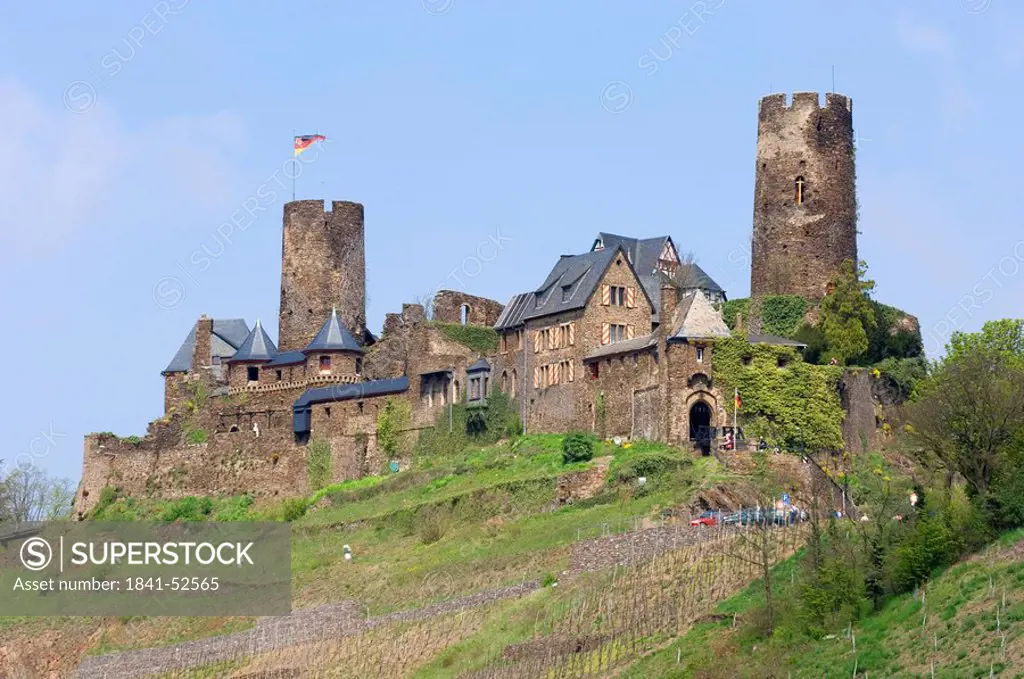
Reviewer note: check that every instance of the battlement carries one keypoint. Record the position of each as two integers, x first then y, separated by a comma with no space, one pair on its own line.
805,100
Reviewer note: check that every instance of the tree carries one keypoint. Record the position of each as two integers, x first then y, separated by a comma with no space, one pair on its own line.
846,312
972,408
31,495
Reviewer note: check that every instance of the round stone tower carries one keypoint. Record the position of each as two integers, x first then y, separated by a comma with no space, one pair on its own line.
805,205
323,266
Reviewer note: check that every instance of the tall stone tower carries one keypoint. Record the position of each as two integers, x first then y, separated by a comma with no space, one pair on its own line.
323,266
805,205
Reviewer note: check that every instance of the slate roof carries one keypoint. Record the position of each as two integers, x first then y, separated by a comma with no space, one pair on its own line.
480,365
347,392
644,254
697,318
228,335
624,347
512,314
334,336
257,347
287,358
775,340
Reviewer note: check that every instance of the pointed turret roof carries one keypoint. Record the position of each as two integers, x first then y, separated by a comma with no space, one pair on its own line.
334,336
697,318
256,347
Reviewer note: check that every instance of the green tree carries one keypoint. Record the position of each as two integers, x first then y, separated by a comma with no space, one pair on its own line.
847,314
970,412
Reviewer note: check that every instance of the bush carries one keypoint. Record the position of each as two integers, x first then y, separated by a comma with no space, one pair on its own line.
188,509
318,464
650,465
577,447
392,421
197,436
294,508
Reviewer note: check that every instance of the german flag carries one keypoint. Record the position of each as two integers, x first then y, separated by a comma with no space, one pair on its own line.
739,402
305,141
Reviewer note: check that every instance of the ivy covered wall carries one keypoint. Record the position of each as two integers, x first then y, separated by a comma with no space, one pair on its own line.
779,314
789,403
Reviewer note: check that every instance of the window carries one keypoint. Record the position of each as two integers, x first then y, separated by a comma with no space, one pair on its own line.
474,389
515,382
487,385
567,334
464,314
700,354
568,371
359,366
781,361
504,344
800,190
216,360
280,375
504,382
327,412
595,370
325,365
748,359
253,373
519,339
618,295
566,293
616,332
360,405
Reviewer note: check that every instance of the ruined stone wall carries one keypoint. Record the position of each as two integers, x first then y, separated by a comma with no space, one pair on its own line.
323,265
448,305
797,248
175,390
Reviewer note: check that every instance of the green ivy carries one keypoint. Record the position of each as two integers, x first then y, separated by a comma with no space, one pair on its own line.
392,420
319,464
789,403
779,314
481,339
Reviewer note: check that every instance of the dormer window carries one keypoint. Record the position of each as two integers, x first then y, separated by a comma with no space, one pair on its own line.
325,365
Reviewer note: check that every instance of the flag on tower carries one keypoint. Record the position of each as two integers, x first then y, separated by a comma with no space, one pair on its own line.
304,141
739,402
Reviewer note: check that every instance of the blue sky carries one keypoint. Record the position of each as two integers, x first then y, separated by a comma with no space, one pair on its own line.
132,134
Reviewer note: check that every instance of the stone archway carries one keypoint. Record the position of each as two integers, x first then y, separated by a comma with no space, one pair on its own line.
700,425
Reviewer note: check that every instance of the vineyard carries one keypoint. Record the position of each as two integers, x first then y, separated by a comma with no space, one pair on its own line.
584,626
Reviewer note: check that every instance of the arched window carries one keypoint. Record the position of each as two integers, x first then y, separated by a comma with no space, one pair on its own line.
465,314
504,382
515,381
800,188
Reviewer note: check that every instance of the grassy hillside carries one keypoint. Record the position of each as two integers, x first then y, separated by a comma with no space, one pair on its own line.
966,622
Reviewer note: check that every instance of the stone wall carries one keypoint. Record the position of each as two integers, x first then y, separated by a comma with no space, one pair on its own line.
859,425
689,381
323,266
797,248
448,306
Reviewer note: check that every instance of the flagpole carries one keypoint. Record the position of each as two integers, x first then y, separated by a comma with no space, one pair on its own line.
293,165
735,414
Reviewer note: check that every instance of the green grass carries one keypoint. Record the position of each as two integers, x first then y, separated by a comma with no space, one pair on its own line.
954,625
480,339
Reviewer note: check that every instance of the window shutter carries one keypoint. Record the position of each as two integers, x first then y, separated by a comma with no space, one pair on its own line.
536,341
536,377
572,334
572,371
631,297
629,332
552,338
556,373
606,295
605,333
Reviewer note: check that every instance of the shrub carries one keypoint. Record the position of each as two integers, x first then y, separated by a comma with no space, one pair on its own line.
196,436
481,339
294,508
108,496
577,447
318,463
650,465
392,421
187,509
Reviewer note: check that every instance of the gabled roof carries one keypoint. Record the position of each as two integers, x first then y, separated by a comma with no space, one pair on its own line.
644,253
228,335
257,347
334,336
570,284
512,314
697,318
347,392
480,365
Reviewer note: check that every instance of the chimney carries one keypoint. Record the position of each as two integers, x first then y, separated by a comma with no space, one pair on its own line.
202,355
669,300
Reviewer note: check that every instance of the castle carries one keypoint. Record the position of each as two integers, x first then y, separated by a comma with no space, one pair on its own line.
618,339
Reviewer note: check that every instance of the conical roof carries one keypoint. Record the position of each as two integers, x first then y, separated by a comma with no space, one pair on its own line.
334,336
256,347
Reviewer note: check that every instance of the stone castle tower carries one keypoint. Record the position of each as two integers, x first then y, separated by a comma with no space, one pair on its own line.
805,205
323,266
